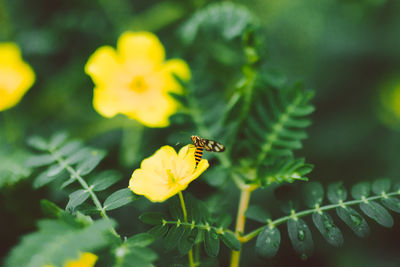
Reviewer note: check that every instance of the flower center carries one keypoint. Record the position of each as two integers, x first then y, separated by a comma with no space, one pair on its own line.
171,176
138,84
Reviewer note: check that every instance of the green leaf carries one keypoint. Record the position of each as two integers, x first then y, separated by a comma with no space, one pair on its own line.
336,192
88,209
79,155
328,229
381,186
69,148
173,237
257,213
158,231
273,127
283,169
313,194
268,241
13,167
211,243
55,169
119,198
196,209
230,240
56,242
86,166
233,108
104,180
152,218
187,240
223,220
136,256
144,254
68,182
57,140
140,240
38,143
228,19
354,220
378,213
50,209
43,178
300,236
76,198
361,190
276,79
39,160
391,203
175,209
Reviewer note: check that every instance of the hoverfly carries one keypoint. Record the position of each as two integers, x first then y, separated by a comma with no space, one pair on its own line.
208,145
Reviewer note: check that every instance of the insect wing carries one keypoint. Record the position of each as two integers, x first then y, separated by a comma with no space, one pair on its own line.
210,145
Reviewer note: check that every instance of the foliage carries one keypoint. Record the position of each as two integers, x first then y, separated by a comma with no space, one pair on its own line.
269,236
182,235
53,145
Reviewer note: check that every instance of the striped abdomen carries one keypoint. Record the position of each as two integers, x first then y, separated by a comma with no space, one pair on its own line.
198,154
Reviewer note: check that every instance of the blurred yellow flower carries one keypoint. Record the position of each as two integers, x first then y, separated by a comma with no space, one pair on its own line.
86,259
166,173
16,76
134,79
389,106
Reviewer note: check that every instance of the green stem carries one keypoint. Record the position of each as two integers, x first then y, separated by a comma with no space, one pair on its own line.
205,227
245,193
132,134
303,213
85,186
190,254
10,128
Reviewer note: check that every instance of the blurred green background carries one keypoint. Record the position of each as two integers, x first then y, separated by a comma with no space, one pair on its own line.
347,51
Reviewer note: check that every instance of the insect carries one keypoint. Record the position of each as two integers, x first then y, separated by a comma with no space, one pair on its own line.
208,145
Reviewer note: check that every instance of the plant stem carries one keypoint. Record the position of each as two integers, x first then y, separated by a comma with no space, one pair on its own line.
85,186
190,254
303,213
132,134
10,128
245,193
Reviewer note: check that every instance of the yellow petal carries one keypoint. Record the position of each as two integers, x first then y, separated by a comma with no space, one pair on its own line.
102,65
16,77
86,259
141,46
186,162
9,52
178,68
160,160
201,167
153,186
105,102
114,98
158,178
155,113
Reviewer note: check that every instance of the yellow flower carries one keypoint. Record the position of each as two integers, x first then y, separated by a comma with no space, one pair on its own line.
16,77
166,173
389,103
86,259
134,79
